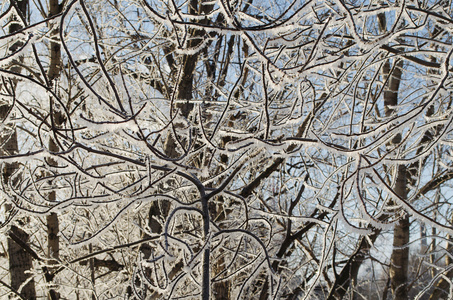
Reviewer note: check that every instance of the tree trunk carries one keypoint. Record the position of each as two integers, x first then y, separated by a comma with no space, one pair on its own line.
400,260
400,254
53,240
20,261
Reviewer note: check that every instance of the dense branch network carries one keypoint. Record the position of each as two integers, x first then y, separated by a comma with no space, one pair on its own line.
230,146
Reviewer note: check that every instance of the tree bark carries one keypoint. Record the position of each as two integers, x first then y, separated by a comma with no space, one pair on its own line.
53,229
20,261
399,260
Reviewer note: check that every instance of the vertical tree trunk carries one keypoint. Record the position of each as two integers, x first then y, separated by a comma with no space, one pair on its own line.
432,247
20,261
399,260
423,241
92,272
53,240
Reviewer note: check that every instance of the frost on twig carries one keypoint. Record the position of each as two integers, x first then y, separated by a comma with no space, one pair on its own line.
235,149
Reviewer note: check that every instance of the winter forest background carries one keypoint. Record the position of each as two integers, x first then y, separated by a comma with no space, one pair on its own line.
226,149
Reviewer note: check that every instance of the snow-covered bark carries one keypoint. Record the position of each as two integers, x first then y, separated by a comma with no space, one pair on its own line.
57,120
20,262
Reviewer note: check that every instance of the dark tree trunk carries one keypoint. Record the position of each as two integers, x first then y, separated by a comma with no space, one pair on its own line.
20,261
53,229
400,254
